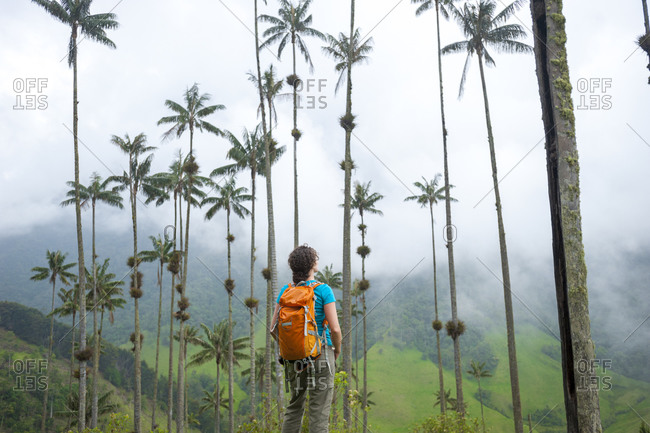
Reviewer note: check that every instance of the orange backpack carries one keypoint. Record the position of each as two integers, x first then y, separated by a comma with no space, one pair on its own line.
297,328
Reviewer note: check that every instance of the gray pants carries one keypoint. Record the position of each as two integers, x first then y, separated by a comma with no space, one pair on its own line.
319,382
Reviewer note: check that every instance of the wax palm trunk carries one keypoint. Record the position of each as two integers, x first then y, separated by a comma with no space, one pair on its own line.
155,380
69,422
295,145
435,302
252,314
218,418
505,271
96,348
347,186
49,356
231,411
80,247
180,419
170,372
582,406
272,286
365,341
449,232
137,391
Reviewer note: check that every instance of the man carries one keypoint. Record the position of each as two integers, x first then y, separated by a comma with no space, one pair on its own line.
319,380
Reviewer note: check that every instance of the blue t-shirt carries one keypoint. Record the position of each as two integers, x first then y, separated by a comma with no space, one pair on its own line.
323,295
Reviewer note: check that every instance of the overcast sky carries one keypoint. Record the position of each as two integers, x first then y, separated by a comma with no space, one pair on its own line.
165,46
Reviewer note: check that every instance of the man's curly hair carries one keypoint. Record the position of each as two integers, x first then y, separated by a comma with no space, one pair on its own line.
301,261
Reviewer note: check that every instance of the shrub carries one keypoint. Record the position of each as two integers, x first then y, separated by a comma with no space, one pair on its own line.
449,422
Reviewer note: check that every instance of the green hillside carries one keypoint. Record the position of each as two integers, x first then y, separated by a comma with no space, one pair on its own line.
404,387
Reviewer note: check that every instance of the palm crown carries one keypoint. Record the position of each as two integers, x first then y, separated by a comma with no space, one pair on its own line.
431,194
56,269
363,200
191,115
341,51
214,346
229,198
97,191
484,29
76,14
290,26
248,153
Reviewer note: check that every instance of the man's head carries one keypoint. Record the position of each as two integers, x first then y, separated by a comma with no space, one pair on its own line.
301,261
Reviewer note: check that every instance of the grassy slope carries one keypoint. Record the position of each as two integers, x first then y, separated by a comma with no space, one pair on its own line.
404,387
19,349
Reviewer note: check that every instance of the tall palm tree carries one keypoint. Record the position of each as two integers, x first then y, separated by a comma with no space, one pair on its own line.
478,371
214,401
56,269
363,201
269,89
441,7
432,195
346,51
162,252
272,271
185,118
215,347
229,198
292,24
485,28
249,154
96,191
582,406
76,14
136,181
174,183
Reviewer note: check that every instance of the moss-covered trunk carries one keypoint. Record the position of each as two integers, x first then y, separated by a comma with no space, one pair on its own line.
580,396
